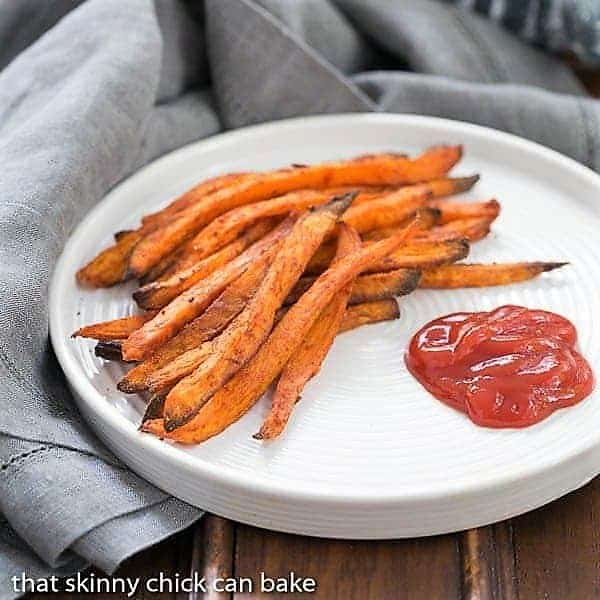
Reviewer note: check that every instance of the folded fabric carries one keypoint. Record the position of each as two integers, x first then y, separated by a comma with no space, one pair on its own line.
92,90
559,25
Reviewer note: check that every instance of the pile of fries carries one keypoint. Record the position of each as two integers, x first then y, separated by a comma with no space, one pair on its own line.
247,278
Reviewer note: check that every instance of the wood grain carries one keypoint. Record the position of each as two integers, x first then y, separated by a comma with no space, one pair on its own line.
557,548
212,554
488,565
427,568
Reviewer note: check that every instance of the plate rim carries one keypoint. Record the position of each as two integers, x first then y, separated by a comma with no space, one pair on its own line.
226,475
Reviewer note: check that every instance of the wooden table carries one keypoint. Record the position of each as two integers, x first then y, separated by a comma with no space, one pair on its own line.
552,554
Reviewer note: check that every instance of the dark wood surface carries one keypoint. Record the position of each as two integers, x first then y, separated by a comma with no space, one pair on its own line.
552,553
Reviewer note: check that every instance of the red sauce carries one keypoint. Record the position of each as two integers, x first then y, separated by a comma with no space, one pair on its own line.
510,367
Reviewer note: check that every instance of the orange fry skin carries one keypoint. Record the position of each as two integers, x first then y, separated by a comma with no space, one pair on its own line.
354,317
452,211
191,197
110,266
389,209
203,328
306,361
250,382
369,287
423,255
396,207
187,306
482,275
367,313
237,344
163,379
473,230
414,254
116,329
157,294
228,225
377,170
429,217
451,186
385,206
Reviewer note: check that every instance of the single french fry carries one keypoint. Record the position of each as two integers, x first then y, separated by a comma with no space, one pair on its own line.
191,197
390,209
159,293
231,401
306,361
381,169
482,275
116,329
110,266
207,326
423,255
429,217
181,258
188,305
367,288
451,186
451,211
415,254
163,379
381,286
393,208
473,230
238,343
438,188
368,313
226,227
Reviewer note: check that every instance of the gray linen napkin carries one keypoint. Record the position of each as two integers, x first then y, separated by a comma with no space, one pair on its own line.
90,94
562,25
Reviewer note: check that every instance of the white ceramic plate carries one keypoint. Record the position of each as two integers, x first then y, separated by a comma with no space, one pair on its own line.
368,453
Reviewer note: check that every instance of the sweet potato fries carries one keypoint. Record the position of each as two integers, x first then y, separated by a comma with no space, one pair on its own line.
248,278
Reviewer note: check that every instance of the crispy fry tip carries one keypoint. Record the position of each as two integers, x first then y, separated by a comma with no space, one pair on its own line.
108,350
140,296
127,388
339,204
550,266
464,184
171,424
153,426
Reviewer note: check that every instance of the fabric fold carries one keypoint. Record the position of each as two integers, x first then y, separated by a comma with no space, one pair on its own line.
445,40
530,112
262,71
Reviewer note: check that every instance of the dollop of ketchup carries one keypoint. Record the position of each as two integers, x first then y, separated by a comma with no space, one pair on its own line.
511,367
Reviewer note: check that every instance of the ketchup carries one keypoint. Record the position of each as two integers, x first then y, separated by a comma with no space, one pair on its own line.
511,367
